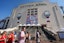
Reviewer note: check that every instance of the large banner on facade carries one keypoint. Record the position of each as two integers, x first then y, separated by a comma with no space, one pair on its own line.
32,19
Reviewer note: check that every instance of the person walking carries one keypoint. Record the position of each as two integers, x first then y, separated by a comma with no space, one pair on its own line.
1,39
11,38
4,37
28,37
37,36
22,36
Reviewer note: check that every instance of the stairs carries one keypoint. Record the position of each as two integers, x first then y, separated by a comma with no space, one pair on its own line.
32,30
43,36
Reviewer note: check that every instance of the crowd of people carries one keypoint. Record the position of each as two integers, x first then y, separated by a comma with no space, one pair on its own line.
23,37
6,38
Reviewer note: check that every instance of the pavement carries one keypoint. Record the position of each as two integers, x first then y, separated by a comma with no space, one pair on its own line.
43,41
40,42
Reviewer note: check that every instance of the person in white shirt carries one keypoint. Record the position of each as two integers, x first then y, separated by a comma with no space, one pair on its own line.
22,36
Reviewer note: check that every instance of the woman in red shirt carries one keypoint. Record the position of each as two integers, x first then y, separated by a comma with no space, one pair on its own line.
2,40
4,36
10,38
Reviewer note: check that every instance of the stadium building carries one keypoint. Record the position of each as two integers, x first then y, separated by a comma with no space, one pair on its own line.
44,15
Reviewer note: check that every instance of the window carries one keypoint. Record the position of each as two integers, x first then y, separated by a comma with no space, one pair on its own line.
28,11
35,8
32,11
31,14
35,13
32,19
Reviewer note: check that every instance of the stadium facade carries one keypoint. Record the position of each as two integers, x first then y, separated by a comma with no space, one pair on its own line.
44,14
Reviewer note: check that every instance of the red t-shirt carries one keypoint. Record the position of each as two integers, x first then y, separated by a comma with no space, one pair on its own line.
12,36
2,38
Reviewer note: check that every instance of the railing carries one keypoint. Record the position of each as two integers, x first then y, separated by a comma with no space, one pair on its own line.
8,29
49,35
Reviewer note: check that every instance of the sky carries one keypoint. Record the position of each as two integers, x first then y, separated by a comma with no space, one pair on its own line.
6,6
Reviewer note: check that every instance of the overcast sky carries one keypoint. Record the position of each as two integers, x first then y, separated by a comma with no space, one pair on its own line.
6,6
